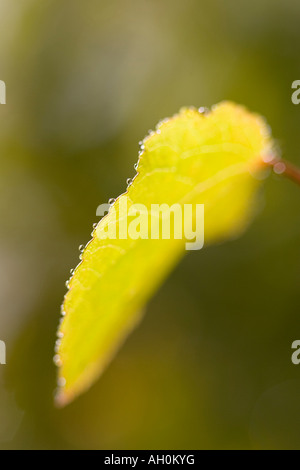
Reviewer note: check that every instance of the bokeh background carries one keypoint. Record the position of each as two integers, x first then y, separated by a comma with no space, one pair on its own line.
210,366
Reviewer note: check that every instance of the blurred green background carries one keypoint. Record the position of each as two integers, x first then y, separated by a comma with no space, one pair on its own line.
210,366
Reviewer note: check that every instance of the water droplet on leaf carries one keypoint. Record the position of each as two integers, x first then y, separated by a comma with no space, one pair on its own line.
279,168
57,360
61,382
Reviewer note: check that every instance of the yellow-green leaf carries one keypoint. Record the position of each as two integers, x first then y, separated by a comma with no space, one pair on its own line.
211,158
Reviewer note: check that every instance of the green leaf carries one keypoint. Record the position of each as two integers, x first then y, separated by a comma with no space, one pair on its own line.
195,157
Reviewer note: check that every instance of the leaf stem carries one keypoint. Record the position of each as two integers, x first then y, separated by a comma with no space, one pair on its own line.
283,167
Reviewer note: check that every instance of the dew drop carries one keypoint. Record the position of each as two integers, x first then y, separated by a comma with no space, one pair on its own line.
111,201
203,110
129,181
67,283
60,335
95,225
268,158
279,168
81,248
136,166
57,360
61,382
72,271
